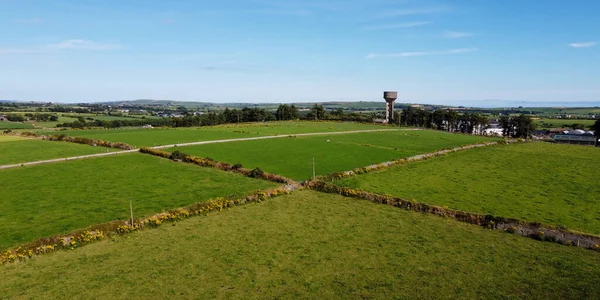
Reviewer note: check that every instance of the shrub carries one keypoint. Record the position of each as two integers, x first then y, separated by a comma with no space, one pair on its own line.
256,173
237,166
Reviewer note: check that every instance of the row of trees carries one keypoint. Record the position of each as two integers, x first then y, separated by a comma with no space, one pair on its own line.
520,126
441,119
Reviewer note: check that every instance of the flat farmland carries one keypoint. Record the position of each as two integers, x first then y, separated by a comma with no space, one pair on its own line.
540,182
311,245
57,198
164,136
14,125
292,156
563,123
19,150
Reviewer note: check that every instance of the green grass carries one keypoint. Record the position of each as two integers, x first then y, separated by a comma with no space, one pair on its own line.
311,245
541,182
25,150
14,125
292,157
557,123
56,198
161,136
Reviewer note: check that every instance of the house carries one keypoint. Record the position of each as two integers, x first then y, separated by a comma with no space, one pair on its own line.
3,119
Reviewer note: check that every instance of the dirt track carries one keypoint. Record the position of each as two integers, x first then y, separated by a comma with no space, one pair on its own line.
39,162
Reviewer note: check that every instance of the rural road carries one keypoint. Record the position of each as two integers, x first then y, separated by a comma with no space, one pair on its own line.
39,162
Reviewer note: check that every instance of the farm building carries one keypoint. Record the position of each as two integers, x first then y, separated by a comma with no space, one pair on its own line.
3,119
575,139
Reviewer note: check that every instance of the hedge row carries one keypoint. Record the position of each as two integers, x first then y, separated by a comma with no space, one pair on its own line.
210,163
401,161
98,232
78,140
534,230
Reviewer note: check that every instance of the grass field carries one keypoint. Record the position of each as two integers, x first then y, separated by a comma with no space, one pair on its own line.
311,245
14,125
19,150
158,136
292,157
56,198
542,182
557,123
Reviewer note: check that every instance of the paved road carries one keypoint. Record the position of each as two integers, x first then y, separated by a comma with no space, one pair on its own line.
39,162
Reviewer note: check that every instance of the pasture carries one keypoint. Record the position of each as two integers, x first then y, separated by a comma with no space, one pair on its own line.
14,125
540,182
559,123
141,137
57,198
292,156
19,150
311,245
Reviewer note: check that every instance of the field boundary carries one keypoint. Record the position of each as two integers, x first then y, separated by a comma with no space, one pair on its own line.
98,232
176,145
402,161
210,163
537,231
276,137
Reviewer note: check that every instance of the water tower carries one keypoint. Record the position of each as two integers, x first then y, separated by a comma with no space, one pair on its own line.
390,97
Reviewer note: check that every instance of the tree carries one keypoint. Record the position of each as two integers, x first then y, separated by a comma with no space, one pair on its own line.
286,112
596,128
317,112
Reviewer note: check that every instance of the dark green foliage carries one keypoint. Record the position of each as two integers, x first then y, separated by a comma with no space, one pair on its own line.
256,173
521,126
286,112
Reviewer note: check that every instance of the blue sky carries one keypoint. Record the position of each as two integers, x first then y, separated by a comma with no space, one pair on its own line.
473,52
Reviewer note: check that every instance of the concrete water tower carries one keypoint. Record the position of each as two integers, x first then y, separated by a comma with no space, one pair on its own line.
390,97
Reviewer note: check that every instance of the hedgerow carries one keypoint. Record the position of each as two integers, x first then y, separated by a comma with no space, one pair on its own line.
77,140
210,163
530,229
98,232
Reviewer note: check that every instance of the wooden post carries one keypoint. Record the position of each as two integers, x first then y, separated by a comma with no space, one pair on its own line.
314,173
131,212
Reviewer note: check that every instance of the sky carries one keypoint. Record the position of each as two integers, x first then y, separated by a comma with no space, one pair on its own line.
455,52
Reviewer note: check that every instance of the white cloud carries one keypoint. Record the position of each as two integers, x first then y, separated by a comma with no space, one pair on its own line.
423,53
456,34
81,45
398,25
582,45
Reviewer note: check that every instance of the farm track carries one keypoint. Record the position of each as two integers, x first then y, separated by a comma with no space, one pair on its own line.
39,162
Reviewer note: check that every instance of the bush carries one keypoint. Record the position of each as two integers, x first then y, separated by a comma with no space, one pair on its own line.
237,166
257,173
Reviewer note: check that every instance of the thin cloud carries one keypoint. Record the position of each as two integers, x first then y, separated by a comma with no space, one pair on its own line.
456,34
168,21
582,45
414,11
397,25
67,45
81,45
422,53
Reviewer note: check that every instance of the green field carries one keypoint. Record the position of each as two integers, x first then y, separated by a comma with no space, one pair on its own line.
311,245
292,156
557,123
19,150
14,125
163,136
542,182
56,198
